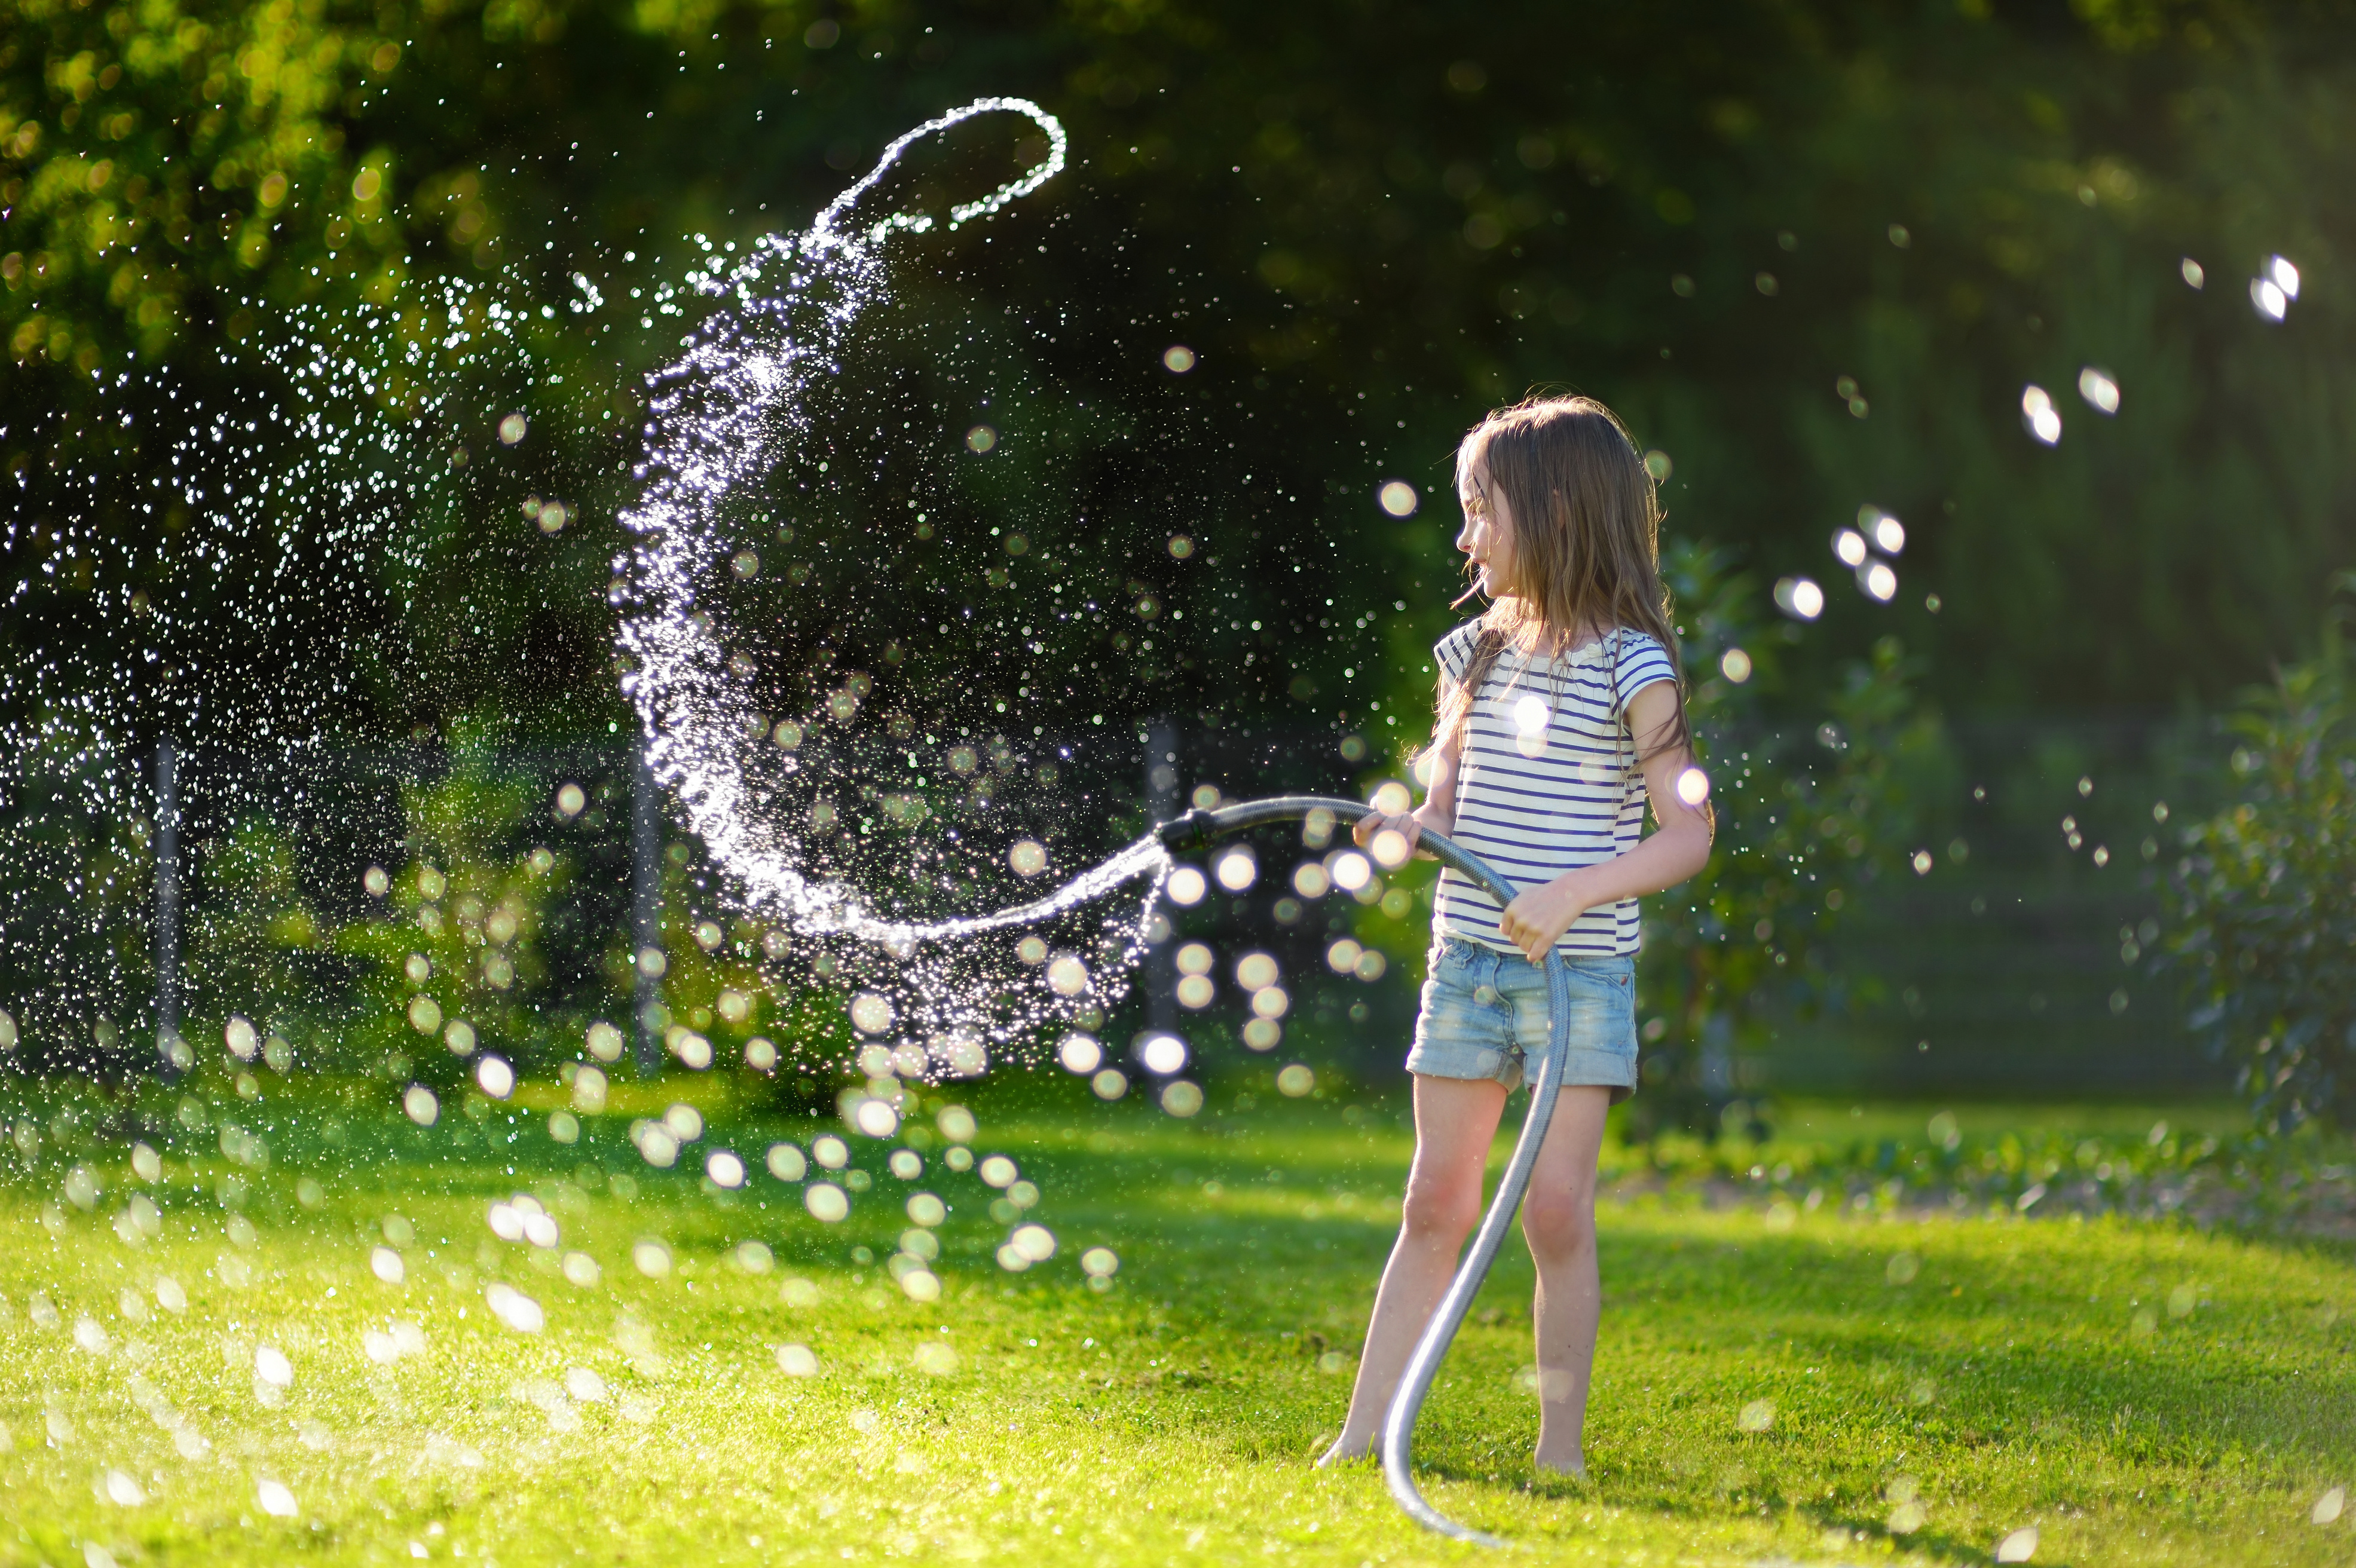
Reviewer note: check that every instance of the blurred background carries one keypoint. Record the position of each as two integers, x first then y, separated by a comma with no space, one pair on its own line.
1991,357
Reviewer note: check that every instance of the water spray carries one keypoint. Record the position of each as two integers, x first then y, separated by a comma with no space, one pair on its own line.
1201,827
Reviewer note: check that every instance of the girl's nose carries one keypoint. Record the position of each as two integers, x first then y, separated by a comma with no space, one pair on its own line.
1464,536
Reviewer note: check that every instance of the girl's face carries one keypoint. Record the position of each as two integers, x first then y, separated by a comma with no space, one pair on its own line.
1487,537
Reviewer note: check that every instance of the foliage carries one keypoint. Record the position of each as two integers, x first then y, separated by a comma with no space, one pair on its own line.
454,962
1932,1379
156,157
1806,818
2263,899
1716,221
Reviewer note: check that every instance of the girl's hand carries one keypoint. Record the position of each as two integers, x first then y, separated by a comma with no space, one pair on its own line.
1535,920
1408,825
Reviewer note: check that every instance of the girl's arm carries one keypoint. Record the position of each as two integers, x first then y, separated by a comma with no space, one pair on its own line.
1677,849
1437,811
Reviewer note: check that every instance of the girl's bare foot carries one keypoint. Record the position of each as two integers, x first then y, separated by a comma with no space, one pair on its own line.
1573,1464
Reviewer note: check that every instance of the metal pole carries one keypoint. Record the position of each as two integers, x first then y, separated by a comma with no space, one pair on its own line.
168,1046
1161,806
1398,1425
646,911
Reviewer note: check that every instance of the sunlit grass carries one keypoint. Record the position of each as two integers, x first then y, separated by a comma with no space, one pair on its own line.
1922,1381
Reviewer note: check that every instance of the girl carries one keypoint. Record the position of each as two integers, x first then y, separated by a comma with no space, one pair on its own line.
1560,714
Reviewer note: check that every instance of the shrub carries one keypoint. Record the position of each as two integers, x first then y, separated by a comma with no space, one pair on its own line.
1815,804
2264,900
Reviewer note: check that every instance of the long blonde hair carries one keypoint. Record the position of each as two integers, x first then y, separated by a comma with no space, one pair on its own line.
1587,543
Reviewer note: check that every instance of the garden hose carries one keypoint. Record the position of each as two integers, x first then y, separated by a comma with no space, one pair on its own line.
1200,826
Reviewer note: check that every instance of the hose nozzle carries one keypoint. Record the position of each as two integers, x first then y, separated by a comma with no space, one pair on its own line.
1190,831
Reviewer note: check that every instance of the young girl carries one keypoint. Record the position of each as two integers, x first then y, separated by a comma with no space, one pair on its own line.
1560,715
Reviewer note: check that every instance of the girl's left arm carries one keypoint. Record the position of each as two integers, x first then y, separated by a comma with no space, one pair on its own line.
1677,849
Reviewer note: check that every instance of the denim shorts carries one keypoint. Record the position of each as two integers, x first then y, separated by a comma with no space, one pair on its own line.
1484,1015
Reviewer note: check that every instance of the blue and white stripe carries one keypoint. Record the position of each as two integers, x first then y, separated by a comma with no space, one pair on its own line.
1547,780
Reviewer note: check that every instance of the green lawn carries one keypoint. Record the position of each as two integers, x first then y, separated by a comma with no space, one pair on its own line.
1923,1370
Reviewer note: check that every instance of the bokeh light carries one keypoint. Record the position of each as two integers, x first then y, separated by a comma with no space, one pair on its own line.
1799,597
2039,415
2100,388
1162,1053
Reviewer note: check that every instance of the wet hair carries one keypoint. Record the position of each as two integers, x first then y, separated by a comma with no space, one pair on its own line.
1586,528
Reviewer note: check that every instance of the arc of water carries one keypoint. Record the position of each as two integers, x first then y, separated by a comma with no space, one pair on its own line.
721,412
963,213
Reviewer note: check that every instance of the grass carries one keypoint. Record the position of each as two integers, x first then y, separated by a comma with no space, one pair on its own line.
2139,1390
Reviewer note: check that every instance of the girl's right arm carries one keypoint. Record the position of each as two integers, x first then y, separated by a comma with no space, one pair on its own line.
1437,811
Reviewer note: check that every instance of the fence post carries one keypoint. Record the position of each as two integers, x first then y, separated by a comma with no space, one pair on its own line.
647,957
174,1054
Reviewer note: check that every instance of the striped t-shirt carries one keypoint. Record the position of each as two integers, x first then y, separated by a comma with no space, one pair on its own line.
1547,780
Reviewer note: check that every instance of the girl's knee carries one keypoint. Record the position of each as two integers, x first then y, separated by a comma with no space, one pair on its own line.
1441,1209
1559,1224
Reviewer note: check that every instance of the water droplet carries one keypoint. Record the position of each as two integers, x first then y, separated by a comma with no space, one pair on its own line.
1067,976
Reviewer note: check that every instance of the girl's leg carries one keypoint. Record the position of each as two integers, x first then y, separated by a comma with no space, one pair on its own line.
1455,1118
1559,1223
